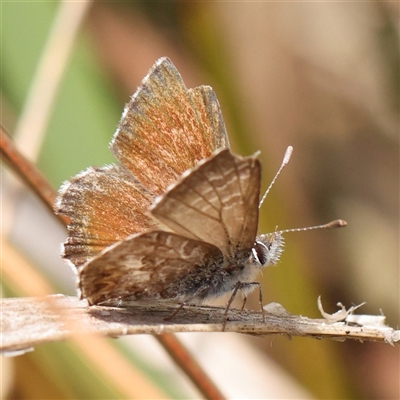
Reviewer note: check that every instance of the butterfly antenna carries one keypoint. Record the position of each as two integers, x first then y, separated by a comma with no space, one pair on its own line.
285,160
339,223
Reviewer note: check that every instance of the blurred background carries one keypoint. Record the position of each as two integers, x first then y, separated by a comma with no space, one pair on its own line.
322,77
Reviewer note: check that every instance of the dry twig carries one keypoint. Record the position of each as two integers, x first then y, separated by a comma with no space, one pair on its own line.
27,322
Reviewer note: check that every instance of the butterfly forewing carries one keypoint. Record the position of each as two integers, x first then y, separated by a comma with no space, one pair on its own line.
205,98
156,265
217,202
104,205
166,128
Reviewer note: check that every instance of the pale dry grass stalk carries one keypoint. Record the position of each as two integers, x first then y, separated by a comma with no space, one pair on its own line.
32,124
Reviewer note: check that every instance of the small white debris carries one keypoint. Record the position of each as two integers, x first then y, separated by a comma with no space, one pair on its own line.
374,321
341,315
276,309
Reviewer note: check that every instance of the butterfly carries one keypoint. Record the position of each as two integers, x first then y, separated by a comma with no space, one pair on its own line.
177,219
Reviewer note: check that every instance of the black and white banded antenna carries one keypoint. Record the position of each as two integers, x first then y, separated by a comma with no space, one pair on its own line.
285,161
338,223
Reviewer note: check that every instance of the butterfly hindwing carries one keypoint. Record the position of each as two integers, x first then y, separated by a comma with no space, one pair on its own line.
157,265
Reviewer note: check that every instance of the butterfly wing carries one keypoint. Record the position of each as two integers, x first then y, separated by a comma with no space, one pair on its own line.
213,210
104,205
216,202
156,265
166,128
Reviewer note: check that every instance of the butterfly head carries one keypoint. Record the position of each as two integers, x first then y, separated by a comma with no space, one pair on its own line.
267,249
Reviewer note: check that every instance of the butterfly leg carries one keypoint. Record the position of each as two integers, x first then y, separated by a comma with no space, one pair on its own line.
176,311
241,286
244,302
228,306
260,300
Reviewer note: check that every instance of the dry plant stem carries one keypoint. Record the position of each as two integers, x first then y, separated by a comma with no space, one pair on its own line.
29,173
180,356
36,113
27,322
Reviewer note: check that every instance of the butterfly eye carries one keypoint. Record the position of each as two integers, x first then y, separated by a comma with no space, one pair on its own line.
260,253
267,249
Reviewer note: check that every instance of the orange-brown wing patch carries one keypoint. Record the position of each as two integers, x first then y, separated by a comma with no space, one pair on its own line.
104,205
166,128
